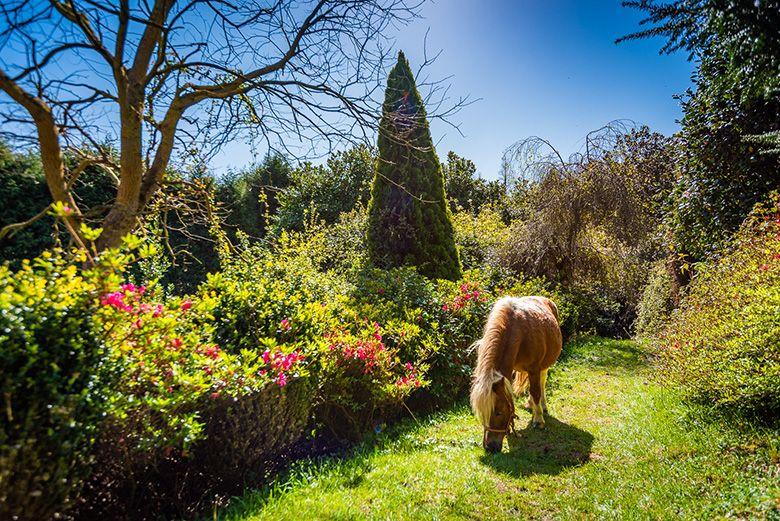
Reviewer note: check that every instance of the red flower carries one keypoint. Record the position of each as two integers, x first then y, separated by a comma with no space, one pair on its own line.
187,304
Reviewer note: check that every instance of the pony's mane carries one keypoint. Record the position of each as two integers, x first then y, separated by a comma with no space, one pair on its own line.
489,351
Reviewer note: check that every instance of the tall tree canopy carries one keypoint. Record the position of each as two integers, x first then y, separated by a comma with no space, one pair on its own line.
409,219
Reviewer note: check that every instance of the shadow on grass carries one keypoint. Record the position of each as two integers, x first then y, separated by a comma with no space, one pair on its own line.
543,451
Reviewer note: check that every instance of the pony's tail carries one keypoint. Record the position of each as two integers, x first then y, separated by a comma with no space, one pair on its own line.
520,383
489,351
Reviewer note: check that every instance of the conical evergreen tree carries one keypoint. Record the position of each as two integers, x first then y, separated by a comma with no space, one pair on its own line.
409,220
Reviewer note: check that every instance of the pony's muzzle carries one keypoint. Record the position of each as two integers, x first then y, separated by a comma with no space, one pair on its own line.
493,442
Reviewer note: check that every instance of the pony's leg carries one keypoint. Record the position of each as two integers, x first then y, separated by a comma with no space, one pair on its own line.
544,391
535,383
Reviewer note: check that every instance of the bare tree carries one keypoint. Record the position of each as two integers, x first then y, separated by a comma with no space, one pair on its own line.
159,76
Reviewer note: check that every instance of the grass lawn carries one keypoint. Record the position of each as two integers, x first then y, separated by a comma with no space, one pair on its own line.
616,446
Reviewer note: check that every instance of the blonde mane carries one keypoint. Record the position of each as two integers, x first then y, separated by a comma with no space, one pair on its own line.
489,350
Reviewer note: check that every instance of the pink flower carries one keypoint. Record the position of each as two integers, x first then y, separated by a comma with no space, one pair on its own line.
67,209
281,380
158,310
212,352
285,325
187,304
214,395
445,307
764,267
266,356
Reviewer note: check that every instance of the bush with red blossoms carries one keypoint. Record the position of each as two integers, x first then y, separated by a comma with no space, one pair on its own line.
468,294
362,378
170,362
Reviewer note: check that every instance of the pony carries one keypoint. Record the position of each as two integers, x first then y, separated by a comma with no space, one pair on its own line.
522,339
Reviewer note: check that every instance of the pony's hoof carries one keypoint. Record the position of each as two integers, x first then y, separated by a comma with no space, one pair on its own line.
537,424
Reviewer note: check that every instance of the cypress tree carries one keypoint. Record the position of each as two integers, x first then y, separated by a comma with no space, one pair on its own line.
409,220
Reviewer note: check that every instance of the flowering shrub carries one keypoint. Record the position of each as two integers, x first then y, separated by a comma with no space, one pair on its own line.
722,345
362,379
170,362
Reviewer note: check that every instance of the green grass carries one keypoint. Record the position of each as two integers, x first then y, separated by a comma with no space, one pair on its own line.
617,446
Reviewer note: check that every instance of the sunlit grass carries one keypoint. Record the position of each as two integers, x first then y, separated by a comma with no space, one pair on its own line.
617,445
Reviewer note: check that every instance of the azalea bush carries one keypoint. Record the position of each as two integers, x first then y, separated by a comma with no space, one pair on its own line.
722,345
363,380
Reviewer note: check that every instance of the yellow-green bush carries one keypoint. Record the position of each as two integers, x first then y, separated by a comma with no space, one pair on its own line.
478,236
56,382
722,345
656,303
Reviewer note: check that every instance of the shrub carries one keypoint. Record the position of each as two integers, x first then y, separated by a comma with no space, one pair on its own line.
207,381
656,302
56,381
324,192
722,345
363,380
478,236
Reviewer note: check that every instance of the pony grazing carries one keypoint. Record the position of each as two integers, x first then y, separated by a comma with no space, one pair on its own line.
522,336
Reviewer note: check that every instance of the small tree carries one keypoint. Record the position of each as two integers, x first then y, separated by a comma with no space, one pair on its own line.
409,219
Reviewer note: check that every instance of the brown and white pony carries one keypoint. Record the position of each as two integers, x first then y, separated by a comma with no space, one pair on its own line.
522,336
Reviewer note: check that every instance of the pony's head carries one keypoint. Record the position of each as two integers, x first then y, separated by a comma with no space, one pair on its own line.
494,406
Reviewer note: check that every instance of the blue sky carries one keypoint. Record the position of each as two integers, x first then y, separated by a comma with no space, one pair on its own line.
546,68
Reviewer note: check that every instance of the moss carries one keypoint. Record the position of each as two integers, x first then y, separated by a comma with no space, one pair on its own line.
409,219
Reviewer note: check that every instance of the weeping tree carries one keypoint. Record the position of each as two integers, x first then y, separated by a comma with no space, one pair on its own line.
409,220
167,80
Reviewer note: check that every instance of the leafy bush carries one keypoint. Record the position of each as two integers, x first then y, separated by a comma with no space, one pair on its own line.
323,193
722,345
478,235
56,381
656,303
363,379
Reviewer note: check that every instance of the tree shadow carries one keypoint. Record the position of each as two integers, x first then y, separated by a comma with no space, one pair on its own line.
543,451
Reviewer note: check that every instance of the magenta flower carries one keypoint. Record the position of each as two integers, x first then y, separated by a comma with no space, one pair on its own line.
187,304
281,380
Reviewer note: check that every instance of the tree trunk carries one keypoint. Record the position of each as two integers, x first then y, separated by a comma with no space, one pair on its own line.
123,216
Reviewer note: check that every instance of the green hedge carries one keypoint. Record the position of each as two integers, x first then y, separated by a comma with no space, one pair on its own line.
722,346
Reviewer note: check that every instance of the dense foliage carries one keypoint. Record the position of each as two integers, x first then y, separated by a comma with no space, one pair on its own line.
321,193
172,398
409,221
722,345
729,153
